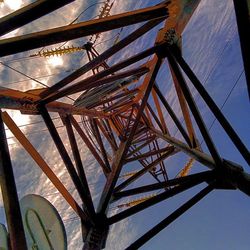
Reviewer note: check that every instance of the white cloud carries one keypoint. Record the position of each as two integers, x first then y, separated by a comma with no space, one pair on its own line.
55,61
13,4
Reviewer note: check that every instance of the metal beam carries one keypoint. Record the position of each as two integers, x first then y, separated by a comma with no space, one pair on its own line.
159,110
101,145
154,200
9,193
184,109
121,65
124,146
172,217
230,172
98,80
147,154
52,36
194,109
172,115
29,13
161,126
205,176
102,57
43,165
24,101
134,177
213,107
88,204
150,139
66,159
194,153
102,126
242,12
90,146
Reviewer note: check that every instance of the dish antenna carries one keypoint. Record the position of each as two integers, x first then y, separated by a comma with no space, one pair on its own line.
3,236
43,225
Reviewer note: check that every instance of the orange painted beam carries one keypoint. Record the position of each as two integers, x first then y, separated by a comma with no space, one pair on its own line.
43,165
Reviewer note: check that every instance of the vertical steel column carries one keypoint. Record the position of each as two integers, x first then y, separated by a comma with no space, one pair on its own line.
124,146
194,109
242,8
213,107
9,192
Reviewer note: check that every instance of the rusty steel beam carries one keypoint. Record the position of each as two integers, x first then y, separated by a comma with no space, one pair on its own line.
122,103
154,200
115,126
149,140
205,176
29,13
184,109
43,165
194,153
25,102
127,126
231,172
9,194
88,204
101,145
148,119
106,134
134,177
194,109
159,123
172,217
172,115
89,145
213,107
124,146
67,161
111,133
102,57
113,98
52,36
90,80
147,154
112,179
144,164
159,110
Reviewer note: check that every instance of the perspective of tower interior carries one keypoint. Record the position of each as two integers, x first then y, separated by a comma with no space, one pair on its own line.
124,124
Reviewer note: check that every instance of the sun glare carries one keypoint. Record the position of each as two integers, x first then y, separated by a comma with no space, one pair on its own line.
14,5
20,120
55,61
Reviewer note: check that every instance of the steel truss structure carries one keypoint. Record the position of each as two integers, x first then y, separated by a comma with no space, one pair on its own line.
115,114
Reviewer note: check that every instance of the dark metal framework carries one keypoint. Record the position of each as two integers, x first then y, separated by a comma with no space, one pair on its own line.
115,114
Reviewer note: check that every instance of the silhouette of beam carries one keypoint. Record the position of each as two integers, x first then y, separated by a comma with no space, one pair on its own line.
172,217
154,200
29,13
52,36
9,193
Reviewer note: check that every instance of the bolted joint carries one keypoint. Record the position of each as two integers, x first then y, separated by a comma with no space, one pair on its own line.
97,235
232,176
169,40
172,38
88,46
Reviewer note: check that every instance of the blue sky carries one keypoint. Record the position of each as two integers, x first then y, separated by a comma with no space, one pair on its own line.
211,46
